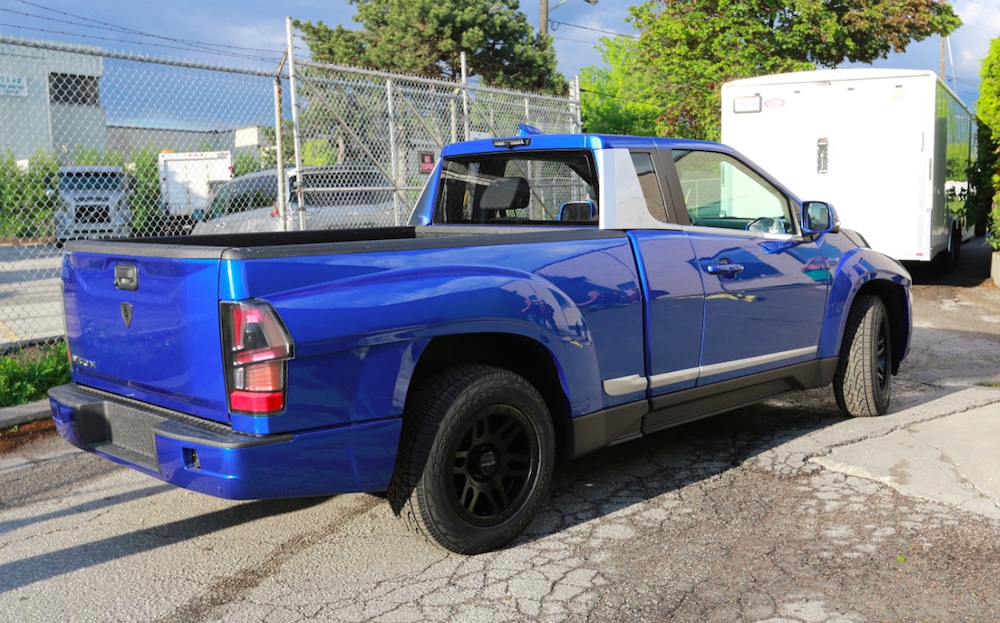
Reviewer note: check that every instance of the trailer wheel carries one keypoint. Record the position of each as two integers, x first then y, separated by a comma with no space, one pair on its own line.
949,258
956,247
863,380
475,459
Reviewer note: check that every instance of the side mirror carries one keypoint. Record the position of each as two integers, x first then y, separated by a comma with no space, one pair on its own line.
819,217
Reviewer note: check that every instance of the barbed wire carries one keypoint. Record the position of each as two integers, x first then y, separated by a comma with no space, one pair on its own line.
159,45
200,45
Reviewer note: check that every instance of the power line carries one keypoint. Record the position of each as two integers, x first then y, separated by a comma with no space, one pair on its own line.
606,32
159,45
123,29
620,98
966,82
577,40
183,44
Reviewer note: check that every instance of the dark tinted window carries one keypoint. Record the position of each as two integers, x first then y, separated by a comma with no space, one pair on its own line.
650,185
91,180
74,89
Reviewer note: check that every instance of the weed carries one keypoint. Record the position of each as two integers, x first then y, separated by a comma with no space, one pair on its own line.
27,374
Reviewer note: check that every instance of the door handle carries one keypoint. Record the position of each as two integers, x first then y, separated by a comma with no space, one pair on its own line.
724,269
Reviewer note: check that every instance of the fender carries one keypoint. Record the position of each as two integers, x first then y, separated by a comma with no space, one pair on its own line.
863,268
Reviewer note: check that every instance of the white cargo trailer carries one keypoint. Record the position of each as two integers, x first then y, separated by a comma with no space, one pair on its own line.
888,148
188,182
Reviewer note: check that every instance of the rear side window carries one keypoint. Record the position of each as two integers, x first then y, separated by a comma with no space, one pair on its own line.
650,186
518,188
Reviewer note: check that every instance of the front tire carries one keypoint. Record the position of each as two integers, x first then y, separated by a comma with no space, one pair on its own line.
475,459
863,381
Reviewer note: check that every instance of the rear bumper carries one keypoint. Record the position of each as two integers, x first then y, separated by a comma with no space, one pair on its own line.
210,458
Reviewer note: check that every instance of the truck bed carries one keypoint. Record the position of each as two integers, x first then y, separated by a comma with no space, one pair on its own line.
275,244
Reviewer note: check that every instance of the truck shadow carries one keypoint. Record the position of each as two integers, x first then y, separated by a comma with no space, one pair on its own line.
95,505
666,463
586,489
23,572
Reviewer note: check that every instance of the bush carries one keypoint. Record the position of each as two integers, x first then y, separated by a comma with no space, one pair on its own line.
995,222
25,209
26,375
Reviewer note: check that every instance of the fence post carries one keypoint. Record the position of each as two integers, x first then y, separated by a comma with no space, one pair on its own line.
295,122
393,165
576,101
465,97
279,148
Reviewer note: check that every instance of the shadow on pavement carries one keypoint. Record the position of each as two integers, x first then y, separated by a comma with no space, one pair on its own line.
20,573
973,268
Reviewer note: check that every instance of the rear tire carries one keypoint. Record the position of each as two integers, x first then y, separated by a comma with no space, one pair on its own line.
475,459
863,381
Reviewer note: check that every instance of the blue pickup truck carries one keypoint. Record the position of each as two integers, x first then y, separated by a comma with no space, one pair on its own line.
551,295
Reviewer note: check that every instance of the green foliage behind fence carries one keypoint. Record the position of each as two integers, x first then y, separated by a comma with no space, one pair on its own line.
25,210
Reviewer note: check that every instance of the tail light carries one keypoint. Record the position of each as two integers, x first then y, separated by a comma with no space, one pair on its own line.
257,348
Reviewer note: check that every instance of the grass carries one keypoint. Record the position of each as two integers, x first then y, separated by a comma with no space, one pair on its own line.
25,375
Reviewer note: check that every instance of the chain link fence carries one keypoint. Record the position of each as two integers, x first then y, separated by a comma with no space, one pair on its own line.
96,144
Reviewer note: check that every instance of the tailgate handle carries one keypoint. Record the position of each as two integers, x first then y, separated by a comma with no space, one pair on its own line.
126,277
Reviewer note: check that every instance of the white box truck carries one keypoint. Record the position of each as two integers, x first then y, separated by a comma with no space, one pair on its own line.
889,148
188,181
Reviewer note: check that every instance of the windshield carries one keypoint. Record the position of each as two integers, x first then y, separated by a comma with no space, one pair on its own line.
90,180
520,188
258,190
342,187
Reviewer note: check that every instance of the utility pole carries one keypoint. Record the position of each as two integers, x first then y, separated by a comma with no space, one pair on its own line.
543,23
940,69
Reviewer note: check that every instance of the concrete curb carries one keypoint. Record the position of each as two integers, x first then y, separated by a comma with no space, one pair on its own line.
22,414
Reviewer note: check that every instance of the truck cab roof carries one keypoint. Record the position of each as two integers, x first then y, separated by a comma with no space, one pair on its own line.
611,182
577,141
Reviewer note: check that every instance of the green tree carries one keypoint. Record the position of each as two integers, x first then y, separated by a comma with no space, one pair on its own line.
617,99
93,157
268,155
981,187
147,211
689,48
427,37
988,107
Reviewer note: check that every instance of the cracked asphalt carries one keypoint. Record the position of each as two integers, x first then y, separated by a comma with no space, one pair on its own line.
766,514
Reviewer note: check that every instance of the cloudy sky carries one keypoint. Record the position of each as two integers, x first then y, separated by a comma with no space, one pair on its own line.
256,28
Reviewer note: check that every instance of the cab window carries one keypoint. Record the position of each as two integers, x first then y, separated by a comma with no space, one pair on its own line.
518,188
720,191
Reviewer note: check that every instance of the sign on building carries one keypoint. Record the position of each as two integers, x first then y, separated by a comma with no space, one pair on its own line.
13,85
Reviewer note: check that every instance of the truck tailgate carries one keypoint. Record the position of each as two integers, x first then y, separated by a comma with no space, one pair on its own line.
147,327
